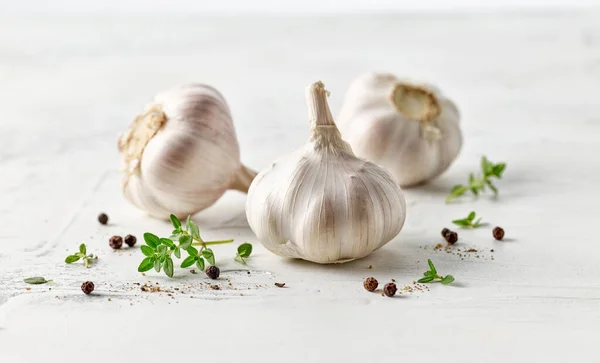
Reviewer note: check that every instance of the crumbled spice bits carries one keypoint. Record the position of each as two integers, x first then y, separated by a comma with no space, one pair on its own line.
130,240
370,284
498,233
87,287
451,237
390,289
115,242
102,218
280,284
213,272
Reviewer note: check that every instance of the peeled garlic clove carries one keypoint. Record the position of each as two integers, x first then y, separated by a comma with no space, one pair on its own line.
181,154
322,203
411,130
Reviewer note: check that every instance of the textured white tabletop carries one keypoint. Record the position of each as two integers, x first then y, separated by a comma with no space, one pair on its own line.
527,85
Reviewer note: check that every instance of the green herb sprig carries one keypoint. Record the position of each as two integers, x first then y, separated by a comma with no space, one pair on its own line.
159,252
478,184
37,280
244,250
433,276
81,255
468,221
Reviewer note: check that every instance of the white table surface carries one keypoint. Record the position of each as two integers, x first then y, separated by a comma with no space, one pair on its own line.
528,87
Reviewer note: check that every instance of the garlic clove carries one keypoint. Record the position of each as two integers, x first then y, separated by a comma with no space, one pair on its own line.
181,154
322,203
410,129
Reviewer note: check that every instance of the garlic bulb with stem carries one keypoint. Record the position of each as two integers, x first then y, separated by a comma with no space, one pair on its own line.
322,203
181,154
411,130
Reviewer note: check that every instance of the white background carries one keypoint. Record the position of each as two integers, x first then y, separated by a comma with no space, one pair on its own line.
262,6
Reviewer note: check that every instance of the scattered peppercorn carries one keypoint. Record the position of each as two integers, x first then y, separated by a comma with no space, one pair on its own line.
445,232
498,233
115,242
130,240
370,284
102,218
451,237
280,284
213,272
87,287
390,289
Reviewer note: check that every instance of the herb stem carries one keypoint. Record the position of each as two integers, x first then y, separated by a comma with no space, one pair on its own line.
221,242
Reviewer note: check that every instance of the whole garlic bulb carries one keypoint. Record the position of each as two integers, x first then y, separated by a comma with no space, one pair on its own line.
181,154
322,203
411,130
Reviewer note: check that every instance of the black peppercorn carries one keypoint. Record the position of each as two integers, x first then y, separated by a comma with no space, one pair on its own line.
451,237
115,242
102,218
370,284
390,289
498,233
130,240
213,272
445,232
87,287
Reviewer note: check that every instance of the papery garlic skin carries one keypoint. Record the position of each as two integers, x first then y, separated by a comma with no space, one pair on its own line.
411,130
322,203
182,153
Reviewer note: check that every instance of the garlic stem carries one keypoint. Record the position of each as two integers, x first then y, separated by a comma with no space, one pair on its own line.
318,109
325,133
242,180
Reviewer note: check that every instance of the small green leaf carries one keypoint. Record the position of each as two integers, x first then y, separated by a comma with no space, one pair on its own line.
486,166
151,240
185,241
146,265
147,250
167,242
192,251
168,267
82,249
177,252
188,261
244,250
498,169
37,280
162,250
428,273
157,265
209,255
457,191
447,280
175,221
187,223
431,267
471,216
72,258
462,222
194,230
239,259
424,280
200,263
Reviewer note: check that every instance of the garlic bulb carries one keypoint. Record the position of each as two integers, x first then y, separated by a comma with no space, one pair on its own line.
322,203
411,130
181,154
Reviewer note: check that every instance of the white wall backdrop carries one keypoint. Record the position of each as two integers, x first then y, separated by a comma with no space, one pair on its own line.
277,6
